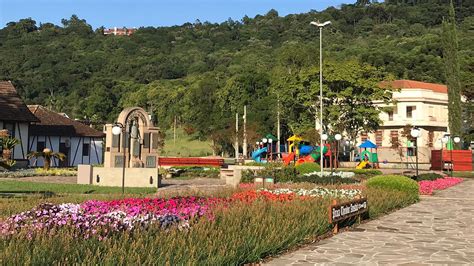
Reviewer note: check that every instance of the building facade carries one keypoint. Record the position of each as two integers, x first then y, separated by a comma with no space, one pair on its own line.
420,104
80,143
16,118
119,31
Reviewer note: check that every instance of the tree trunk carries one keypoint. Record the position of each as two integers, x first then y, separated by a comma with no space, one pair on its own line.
6,154
47,163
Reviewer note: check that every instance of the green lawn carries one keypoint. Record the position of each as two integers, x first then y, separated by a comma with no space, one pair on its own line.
186,146
13,186
462,174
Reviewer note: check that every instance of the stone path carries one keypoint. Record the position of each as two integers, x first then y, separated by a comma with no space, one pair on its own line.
437,230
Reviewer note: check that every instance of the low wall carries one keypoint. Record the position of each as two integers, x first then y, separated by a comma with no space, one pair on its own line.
112,177
400,165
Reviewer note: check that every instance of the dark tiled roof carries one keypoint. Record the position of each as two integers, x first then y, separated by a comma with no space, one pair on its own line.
54,124
12,107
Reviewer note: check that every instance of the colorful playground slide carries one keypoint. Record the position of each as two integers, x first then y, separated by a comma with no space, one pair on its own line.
256,155
289,158
313,155
362,165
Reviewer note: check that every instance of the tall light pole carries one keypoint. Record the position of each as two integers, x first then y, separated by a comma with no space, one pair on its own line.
415,133
337,137
117,129
321,26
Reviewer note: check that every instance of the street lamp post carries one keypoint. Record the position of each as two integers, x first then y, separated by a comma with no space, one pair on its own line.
264,140
116,130
456,140
270,141
324,137
444,140
415,133
338,137
321,26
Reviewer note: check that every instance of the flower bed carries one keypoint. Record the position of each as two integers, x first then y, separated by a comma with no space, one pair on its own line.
38,172
427,187
319,192
240,229
103,218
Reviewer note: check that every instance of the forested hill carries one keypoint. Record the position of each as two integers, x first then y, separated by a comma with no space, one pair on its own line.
202,72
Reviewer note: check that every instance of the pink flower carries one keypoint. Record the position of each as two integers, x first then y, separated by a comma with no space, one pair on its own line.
426,187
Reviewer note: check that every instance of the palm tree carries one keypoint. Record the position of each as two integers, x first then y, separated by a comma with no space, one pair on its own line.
8,143
47,154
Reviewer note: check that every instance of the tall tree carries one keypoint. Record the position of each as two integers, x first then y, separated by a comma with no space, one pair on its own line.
452,71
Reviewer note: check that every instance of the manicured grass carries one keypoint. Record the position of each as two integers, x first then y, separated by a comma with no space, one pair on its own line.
14,186
462,174
186,146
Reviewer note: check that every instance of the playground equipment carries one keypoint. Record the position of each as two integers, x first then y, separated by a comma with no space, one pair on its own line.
257,155
300,152
368,159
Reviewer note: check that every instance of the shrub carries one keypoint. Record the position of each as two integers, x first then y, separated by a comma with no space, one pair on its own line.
189,172
395,182
428,176
306,168
247,176
280,174
383,200
365,173
326,180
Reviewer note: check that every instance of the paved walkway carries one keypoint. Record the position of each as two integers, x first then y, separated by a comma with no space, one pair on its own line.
437,230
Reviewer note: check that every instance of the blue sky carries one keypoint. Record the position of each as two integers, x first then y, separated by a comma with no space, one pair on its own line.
136,13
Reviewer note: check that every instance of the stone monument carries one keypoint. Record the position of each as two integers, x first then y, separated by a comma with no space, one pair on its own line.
131,153
138,143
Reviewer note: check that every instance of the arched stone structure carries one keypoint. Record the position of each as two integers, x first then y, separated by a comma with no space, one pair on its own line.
141,141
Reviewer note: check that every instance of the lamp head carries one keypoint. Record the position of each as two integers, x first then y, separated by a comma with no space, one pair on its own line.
324,137
415,132
320,25
265,140
270,140
116,130
338,136
457,139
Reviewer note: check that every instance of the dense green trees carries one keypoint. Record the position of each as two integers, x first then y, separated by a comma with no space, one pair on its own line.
202,73
452,70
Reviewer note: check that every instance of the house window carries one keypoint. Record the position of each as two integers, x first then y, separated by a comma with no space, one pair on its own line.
390,115
394,138
40,146
85,149
363,136
430,139
410,151
410,111
379,137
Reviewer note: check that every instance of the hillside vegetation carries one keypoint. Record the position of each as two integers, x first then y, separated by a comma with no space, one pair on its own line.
203,73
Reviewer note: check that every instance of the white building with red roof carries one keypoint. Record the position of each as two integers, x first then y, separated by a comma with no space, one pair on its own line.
420,104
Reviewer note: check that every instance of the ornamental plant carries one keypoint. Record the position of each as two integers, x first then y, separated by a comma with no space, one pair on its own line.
427,187
47,155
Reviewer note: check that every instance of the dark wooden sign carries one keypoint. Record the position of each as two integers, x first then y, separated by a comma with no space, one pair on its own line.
342,211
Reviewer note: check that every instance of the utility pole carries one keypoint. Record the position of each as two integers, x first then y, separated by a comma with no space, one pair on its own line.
236,144
174,131
278,125
244,143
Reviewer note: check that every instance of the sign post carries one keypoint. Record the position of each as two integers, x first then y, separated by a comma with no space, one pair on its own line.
343,211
